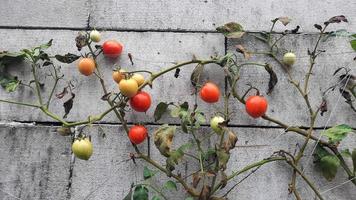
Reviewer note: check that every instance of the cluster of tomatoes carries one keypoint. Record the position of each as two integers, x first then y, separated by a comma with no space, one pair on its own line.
130,84
256,106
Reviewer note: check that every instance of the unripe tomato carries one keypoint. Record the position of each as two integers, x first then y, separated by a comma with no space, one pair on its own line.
214,124
86,66
128,87
137,134
289,58
210,93
139,79
95,36
112,48
82,148
141,102
118,75
256,106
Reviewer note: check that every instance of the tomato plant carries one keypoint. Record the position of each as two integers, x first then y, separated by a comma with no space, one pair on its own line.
212,160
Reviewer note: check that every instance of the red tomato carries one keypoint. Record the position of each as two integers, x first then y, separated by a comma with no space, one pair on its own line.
210,93
112,48
137,134
141,102
256,106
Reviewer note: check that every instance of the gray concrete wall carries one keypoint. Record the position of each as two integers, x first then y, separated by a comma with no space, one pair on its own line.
36,163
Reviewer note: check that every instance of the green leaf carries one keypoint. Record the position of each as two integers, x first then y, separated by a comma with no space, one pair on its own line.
67,58
140,193
160,110
147,173
231,30
11,85
155,198
189,198
175,112
8,82
337,133
45,46
199,116
7,58
129,195
353,44
327,162
175,156
170,185
329,165
163,138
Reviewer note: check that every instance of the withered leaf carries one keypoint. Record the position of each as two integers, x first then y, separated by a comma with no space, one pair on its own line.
223,158
272,78
67,58
323,107
163,138
317,26
68,105
336,19
231,30
196,179
176,73
204,194
285,20
106,96
195,76
241,49
223,181
62,94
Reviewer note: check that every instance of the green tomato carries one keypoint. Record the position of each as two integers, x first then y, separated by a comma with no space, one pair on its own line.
95,36
289,58
214,124
82,148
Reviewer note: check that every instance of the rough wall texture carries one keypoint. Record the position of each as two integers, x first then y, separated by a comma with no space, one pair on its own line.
36,163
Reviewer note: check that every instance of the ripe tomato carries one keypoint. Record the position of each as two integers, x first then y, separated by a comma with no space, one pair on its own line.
210,93
112,48
139,79
137,134
86,66
95,36
256,106
289,58
118,75
128,87
141,102
82,148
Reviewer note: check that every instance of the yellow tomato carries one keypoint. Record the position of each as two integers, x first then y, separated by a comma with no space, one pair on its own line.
139,79
128,87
